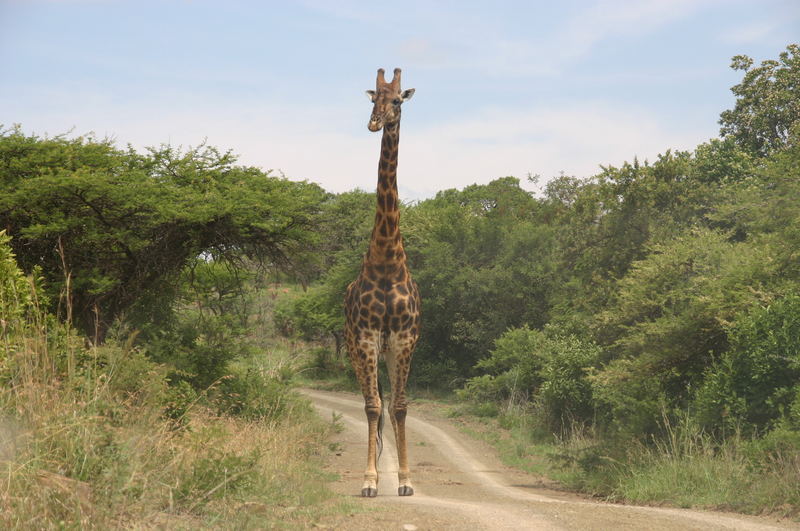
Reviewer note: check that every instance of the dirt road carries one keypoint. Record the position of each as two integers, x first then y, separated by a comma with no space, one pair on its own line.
460,484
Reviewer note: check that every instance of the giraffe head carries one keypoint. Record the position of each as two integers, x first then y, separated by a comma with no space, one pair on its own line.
387,99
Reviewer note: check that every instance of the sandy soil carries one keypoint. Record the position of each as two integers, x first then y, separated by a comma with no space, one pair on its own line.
460,484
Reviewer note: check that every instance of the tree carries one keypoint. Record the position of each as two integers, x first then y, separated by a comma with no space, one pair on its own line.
767,102
116,227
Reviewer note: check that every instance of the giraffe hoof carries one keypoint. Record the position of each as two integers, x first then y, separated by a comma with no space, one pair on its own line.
369,492
405,491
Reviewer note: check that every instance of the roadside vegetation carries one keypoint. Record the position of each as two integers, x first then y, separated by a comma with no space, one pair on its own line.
640,326
141,381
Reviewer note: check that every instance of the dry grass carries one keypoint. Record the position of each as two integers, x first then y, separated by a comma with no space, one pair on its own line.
100,459
85,442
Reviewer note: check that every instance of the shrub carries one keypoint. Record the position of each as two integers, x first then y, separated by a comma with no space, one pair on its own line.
543,367
755,383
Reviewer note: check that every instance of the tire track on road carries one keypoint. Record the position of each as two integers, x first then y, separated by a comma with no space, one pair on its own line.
487,497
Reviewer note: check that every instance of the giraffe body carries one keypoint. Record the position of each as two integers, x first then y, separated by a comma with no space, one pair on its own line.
382,306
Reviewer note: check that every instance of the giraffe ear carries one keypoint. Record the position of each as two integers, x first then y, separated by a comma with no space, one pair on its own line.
371,95
406,95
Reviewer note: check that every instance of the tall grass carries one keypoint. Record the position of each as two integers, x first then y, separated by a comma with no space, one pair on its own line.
684,466
87,441
689,467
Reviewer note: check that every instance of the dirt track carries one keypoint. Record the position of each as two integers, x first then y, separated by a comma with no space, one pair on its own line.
460,484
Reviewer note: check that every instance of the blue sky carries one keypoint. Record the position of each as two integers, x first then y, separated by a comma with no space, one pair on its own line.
503,87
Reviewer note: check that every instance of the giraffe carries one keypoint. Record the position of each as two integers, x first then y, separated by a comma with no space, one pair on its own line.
382,306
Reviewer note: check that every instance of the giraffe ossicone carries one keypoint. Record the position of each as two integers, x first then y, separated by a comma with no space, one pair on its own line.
382,306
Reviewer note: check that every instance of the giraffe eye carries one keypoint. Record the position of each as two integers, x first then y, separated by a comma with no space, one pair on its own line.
397,101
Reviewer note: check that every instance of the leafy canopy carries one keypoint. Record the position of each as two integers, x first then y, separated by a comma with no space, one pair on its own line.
120,225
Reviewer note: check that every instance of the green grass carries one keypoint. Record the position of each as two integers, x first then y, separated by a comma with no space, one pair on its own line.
691,469
688,468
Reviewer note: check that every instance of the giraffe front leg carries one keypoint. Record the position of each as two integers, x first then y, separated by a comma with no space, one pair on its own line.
404,473
365,361
398,363
370,487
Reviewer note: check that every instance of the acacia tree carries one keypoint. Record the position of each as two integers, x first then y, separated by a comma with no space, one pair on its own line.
119,226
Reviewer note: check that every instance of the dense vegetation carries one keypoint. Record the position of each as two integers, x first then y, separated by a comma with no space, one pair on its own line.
133,387
636,320
653,295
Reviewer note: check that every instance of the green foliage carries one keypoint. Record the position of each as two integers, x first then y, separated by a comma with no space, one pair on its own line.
667,323
82,420
480,260
767,102
17,302
310,315
207,326
755,383
255,395
119,226
546,368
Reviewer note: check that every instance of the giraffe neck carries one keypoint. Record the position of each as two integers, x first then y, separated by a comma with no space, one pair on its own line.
386,245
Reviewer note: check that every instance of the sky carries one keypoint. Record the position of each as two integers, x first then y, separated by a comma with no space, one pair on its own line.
502,88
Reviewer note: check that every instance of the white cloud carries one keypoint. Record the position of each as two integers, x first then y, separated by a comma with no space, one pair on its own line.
332,146
575,140
486,45
612,18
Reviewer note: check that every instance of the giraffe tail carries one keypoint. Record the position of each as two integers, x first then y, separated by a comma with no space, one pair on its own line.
380,420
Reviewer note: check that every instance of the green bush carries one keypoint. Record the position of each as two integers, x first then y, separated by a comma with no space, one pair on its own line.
542,367
755,383
254,396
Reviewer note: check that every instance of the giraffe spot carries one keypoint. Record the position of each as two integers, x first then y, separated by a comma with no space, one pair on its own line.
400,307
364,312
395,324
402,290
366,298
380,296
385,285
375,322
389,254
377,308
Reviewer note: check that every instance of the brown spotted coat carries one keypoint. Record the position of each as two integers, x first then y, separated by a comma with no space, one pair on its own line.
382,306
